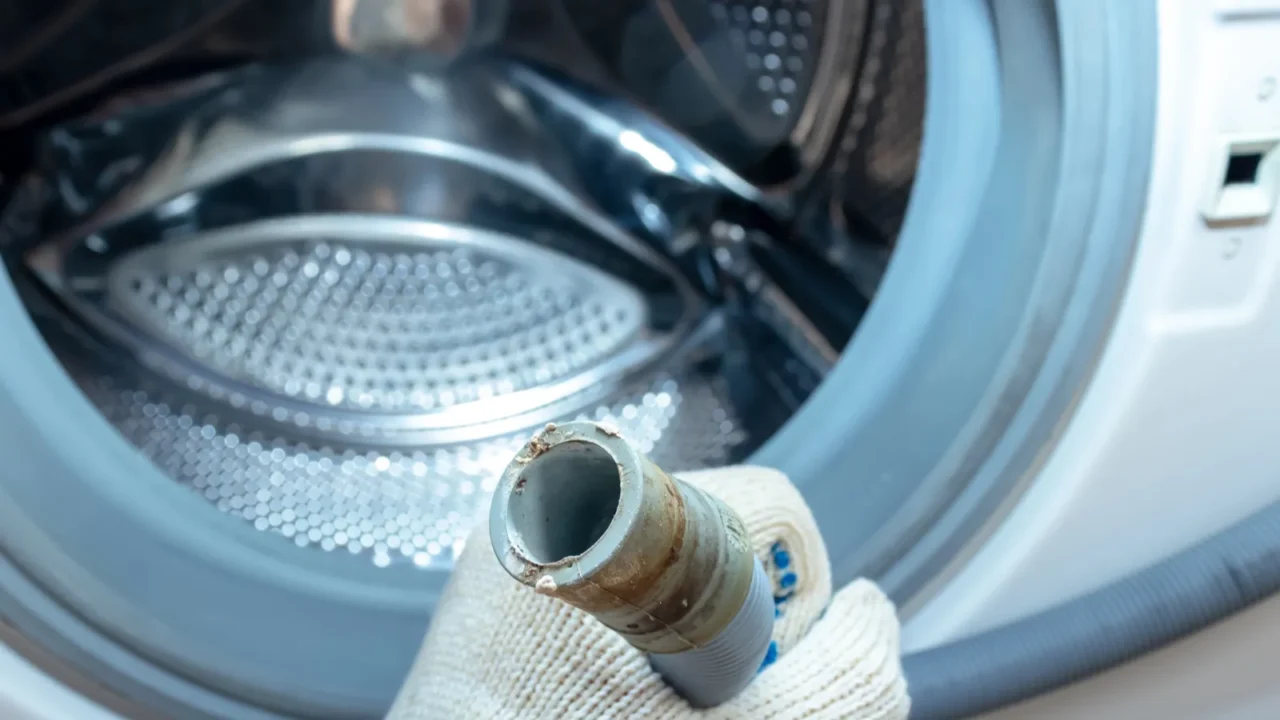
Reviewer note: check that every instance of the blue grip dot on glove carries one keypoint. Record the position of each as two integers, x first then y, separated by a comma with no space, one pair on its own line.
771,656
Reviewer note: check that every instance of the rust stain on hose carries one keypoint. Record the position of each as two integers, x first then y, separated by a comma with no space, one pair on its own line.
669,571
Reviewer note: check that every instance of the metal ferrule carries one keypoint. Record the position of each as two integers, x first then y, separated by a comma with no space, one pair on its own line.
582,516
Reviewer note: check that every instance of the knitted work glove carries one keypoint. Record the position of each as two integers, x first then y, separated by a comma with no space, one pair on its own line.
496,649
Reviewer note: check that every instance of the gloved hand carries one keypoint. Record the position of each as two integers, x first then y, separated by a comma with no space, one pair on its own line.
496,649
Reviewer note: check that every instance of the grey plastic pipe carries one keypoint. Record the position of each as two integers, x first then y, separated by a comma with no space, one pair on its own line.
582,516
1127,619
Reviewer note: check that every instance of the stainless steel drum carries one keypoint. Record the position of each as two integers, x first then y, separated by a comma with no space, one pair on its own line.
331,296
338,325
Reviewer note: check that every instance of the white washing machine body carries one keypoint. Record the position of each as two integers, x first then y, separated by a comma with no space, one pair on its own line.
1170,444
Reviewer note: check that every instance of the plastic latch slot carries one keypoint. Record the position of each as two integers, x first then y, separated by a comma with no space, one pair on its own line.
1246,181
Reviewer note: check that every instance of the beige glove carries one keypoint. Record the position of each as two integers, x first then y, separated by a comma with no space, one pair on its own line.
498,650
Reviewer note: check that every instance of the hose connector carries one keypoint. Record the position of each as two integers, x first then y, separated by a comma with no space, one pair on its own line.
582,516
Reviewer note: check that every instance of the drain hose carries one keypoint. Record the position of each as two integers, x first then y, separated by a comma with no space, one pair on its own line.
582,516
1129,618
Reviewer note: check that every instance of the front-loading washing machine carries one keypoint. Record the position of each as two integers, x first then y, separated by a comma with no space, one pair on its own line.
287,284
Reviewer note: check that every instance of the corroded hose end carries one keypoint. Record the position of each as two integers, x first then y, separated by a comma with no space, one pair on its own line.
582,516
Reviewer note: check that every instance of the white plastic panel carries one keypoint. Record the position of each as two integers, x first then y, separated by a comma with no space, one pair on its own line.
1176,437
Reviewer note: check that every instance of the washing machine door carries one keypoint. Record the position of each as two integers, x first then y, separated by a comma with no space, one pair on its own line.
284,322
272,328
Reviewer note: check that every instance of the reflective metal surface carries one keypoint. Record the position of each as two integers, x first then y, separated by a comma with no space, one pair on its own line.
762,84
411,504
429,320
874,167
338,324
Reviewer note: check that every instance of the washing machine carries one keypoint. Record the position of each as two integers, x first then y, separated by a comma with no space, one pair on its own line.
287,283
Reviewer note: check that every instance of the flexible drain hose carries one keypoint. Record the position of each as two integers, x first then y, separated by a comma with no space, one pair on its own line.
1129,618
582,516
